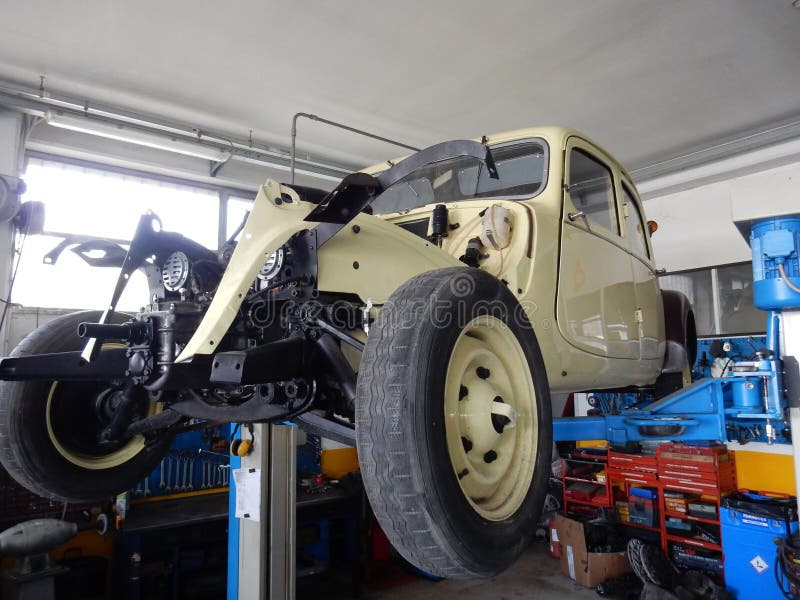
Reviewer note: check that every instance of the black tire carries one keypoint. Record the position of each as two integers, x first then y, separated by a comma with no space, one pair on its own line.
401,432
27,450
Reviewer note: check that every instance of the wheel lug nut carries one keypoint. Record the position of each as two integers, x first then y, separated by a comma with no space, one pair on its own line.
466,443
482,372
490,456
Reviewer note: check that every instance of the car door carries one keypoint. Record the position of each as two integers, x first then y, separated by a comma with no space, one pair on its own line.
595,309
649,306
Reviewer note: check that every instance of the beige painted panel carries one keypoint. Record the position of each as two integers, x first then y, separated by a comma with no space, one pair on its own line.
648,300
645,282
596,310
512,264
374,262
269,226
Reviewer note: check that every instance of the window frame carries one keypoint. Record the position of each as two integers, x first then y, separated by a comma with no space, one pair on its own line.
593,226
628,189
223,193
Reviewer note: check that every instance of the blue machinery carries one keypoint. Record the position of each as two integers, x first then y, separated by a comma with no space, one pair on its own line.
756,392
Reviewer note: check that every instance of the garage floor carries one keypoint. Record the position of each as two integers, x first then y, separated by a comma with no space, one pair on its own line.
535,575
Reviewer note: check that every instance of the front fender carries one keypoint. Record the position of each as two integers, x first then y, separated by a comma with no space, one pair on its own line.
372,257
270,225
369,257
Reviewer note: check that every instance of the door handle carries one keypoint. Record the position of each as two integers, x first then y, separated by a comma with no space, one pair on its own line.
576,215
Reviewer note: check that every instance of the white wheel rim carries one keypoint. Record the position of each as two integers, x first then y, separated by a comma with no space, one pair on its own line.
488,375
92,462
89,461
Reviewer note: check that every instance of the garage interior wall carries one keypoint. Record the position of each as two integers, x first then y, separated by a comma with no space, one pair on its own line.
696,224
10,151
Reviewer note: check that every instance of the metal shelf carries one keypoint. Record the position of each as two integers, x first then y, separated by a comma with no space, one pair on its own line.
687,517
692,542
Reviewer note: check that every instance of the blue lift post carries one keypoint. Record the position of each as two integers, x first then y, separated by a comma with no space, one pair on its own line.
759,391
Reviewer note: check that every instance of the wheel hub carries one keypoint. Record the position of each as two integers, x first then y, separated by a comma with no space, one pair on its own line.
490,418
483,415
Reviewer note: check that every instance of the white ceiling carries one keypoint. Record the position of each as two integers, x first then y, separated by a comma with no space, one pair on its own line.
649,80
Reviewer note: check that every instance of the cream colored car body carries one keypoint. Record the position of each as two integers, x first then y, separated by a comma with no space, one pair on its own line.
590,293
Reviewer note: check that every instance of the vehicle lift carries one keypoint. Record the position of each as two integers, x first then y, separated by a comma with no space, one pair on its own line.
261,549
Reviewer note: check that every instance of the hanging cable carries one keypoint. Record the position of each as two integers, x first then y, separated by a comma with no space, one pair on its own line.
18,252
787,568
788,283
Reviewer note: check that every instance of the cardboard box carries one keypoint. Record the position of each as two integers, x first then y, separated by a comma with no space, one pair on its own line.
586,568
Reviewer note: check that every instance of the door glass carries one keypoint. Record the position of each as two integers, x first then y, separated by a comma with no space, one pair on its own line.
634,225
591,189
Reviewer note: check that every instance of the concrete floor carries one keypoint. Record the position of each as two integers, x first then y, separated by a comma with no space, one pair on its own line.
535,575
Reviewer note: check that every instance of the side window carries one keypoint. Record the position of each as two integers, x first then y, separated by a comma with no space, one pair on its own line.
591,188
634,225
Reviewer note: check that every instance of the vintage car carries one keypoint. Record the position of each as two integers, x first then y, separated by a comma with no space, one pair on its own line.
423,310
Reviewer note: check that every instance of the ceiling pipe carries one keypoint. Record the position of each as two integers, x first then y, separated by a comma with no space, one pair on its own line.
340,126
44,102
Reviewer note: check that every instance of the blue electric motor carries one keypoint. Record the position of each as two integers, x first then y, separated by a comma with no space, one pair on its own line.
776,247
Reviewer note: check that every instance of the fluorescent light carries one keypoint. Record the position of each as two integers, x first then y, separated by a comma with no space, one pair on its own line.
135,136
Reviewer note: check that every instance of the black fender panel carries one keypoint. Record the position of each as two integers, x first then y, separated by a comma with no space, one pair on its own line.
681,331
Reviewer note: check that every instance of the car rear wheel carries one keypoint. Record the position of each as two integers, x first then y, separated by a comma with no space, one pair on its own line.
49,429
453,423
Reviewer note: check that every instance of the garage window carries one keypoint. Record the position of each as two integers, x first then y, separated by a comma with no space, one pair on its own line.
591,188
85,203
722,299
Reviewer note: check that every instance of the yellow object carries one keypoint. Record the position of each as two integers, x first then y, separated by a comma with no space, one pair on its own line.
762,471
591,444
338,462
241,447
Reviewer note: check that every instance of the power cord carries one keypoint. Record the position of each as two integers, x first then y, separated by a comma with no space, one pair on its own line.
787,567
18,252
788,283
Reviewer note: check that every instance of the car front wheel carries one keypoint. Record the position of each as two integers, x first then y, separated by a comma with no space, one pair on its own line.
453,423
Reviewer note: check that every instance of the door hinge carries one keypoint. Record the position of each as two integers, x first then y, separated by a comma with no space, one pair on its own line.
638,315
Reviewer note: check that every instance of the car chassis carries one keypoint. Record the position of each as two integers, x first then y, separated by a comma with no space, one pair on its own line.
147,369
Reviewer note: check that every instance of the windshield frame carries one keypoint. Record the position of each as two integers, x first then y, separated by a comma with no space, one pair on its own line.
499,196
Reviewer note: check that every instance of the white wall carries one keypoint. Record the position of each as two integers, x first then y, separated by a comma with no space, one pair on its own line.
10,128
696,226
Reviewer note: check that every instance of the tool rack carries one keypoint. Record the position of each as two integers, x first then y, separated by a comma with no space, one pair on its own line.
708,472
